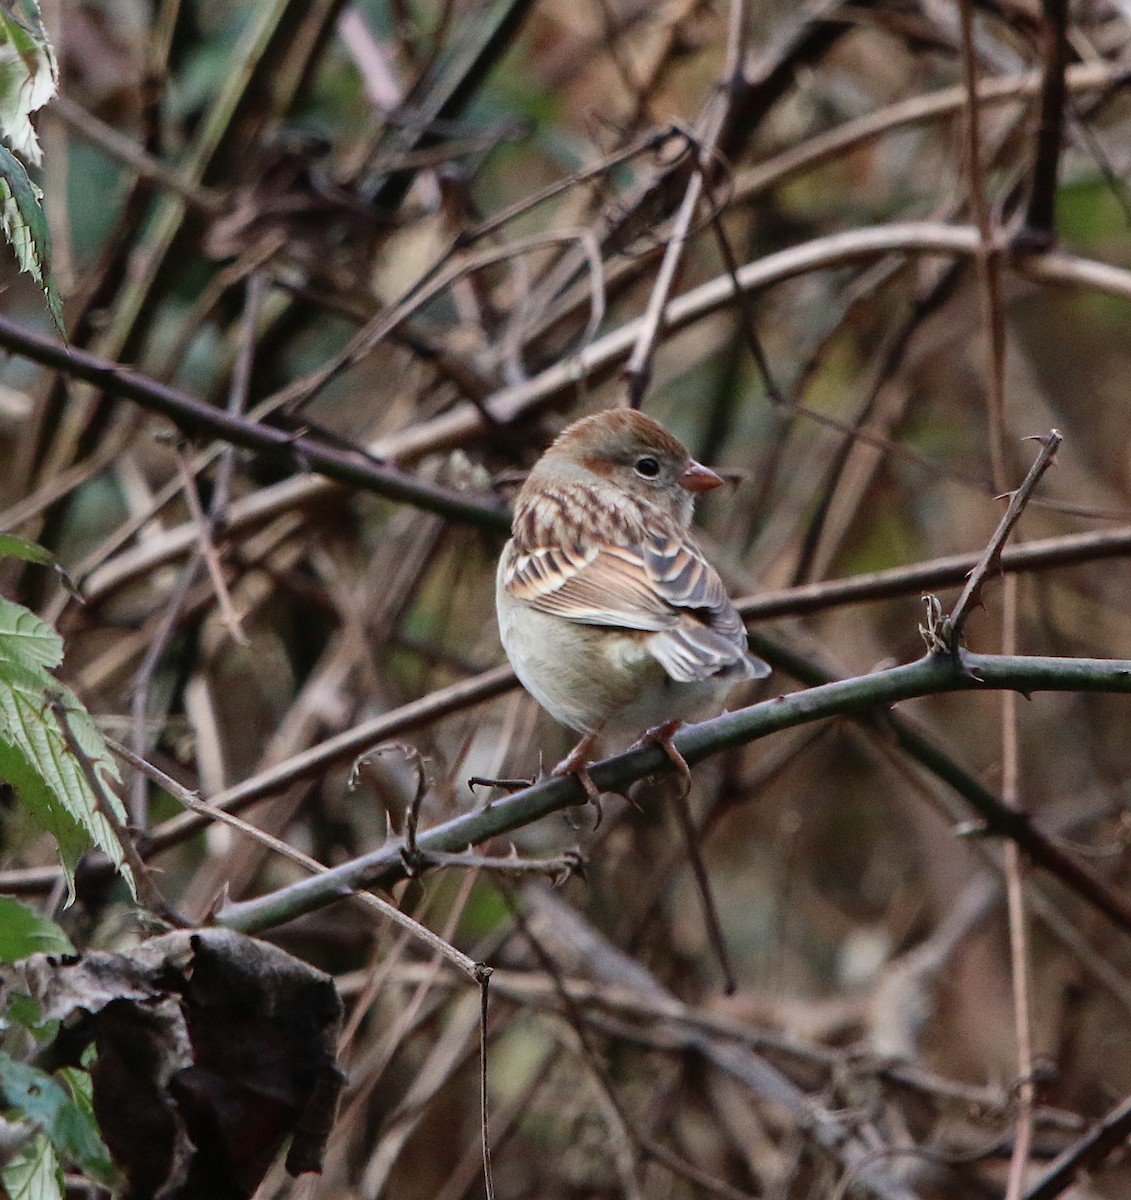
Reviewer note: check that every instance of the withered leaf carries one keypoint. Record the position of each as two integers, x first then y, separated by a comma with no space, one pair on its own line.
212,1050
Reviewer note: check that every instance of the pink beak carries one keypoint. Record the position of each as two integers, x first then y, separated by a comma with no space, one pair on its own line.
698,478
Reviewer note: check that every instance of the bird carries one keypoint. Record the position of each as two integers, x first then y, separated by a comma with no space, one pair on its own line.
609,613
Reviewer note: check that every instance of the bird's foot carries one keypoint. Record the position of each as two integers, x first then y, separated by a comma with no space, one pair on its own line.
661,735
576,763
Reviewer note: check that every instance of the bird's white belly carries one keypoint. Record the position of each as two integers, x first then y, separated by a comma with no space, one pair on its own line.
597,677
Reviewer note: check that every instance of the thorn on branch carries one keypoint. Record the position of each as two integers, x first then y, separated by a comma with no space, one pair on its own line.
415,861
951,629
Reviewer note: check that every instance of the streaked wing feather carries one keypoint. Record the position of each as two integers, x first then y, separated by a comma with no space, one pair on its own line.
662,584
610,586
686,580
687,657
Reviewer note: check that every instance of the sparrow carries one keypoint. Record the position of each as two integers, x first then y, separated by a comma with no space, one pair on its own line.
608,612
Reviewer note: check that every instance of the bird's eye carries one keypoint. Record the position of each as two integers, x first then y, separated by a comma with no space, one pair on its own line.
648,467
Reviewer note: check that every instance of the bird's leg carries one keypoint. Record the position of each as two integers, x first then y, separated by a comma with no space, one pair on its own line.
661,735
576,763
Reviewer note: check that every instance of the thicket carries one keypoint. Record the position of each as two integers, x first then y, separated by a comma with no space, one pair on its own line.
306,286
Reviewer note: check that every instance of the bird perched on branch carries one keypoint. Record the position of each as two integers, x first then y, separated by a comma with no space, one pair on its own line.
610,615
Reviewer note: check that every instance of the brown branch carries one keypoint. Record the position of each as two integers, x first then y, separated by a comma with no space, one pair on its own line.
1085,1155
751,182
464,423
1069,550
294,450
125,150
991,556
1038,230
638,369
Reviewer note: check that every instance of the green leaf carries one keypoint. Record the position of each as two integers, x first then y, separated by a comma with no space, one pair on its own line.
68,1122
36,756
25,227
25,640
18,547
23,1010
28,79
28,75
95,1160
34,1174
23,932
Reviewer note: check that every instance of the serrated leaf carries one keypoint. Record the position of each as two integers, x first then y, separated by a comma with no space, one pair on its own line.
23,932
37,758
34,1174
68,1122
28,74
25,640
25,227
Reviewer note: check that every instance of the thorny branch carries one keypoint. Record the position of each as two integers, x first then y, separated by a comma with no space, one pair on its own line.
932,674
991,556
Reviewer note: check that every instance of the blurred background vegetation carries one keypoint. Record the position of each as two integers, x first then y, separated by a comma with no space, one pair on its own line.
235,190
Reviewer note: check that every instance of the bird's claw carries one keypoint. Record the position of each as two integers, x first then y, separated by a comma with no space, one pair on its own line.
661,735
576,763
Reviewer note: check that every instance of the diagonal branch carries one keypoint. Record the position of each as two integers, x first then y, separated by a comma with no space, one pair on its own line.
851,697
294,450
991,556
1085,1155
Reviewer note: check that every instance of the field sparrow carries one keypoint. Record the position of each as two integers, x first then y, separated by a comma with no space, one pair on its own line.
610,615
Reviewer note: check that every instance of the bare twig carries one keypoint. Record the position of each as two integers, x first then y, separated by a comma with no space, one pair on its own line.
703,886
638,371
989,275
206,549
127,151
751,182
205,552
991,556
202,807
940,572
484,1100
1085,1155
1038,231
